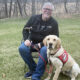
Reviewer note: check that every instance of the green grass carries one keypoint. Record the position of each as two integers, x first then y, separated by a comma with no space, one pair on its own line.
12,65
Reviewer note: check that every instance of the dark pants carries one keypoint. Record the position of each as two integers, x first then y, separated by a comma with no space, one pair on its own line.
39,68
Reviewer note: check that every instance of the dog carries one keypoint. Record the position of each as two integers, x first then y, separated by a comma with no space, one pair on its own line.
60,59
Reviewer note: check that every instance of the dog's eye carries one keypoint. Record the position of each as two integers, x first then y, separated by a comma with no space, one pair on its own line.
48,39
54,39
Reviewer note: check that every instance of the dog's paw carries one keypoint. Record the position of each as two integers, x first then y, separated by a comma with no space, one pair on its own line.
54,78
48,78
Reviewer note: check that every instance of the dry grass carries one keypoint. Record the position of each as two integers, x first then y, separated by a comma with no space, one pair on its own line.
11,64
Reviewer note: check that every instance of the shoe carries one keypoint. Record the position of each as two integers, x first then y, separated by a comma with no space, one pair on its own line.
28,74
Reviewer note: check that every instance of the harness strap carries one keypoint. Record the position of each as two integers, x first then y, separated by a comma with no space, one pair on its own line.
64,57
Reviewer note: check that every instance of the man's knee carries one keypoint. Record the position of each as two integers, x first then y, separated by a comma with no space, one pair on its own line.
43,50
23,48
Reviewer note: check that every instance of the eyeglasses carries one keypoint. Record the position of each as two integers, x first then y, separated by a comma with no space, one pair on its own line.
47,9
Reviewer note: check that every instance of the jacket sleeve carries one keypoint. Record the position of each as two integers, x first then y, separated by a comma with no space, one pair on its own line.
26,32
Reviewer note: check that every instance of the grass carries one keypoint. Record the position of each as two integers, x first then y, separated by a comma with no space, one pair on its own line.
12,65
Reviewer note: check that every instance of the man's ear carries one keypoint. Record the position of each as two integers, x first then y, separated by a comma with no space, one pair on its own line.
45,41
58,43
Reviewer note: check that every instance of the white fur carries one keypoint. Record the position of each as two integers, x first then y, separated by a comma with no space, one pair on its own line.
70,68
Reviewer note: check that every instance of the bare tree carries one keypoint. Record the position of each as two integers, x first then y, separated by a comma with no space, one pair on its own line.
77,5
65,6
25,7
6,11
10,8
20,9
24,12
15,12
33,7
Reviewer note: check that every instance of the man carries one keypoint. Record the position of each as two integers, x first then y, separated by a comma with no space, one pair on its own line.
42,25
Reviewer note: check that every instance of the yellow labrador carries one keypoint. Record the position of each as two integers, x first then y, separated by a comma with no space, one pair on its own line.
60,59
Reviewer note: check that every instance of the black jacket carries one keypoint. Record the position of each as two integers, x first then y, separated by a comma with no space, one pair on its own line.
40,28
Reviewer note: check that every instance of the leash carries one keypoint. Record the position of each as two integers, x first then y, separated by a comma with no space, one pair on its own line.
51,67
29,29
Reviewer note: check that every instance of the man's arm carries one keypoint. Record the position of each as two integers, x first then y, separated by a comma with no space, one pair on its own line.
25,32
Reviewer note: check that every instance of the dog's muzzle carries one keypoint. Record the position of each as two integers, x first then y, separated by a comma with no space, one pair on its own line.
50,45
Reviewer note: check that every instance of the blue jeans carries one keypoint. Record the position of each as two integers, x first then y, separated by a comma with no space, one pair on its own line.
37,69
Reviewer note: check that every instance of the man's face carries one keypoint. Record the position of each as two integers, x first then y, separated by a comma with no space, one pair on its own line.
47,12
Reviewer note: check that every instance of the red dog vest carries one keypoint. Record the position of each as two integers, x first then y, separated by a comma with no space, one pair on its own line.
64,57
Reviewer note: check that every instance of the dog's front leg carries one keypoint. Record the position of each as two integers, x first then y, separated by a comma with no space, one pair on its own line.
57,72
58,65
48,57
49,76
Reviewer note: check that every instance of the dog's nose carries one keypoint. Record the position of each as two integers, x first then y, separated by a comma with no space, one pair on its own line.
50,45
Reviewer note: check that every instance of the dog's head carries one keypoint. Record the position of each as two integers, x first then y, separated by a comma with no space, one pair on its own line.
52,42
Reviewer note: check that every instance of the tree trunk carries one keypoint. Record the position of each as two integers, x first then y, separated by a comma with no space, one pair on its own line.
10,8
15,12
33,7
6,11
77,5
25,7
20,9
65,6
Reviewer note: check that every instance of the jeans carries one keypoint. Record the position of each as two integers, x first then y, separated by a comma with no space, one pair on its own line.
37,69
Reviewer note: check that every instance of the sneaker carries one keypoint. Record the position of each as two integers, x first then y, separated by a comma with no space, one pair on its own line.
28,74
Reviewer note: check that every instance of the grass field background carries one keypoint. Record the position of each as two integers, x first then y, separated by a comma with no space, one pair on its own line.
12,65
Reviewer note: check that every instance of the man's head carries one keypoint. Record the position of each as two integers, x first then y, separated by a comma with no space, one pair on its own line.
47,10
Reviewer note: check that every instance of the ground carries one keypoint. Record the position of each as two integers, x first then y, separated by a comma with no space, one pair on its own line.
12,65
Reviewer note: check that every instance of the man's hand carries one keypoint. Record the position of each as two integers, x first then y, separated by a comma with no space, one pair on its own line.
38,46
27,43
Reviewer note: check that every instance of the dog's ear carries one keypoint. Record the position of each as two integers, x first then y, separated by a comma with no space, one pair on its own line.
45,41
58,43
